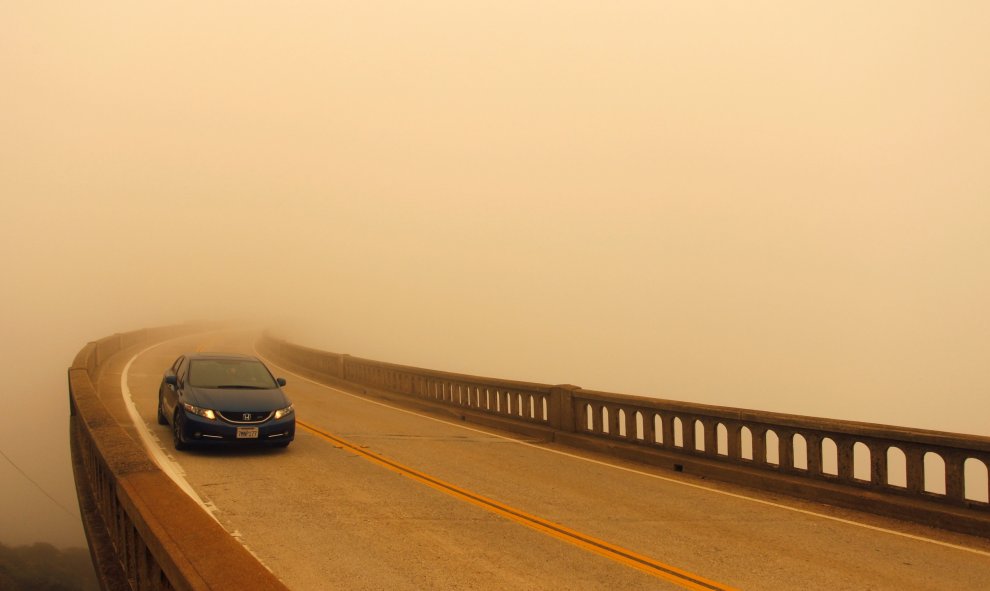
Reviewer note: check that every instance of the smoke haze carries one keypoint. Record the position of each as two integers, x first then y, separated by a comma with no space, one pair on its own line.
769,205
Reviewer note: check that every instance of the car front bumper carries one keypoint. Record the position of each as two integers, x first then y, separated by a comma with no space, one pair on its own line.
197,429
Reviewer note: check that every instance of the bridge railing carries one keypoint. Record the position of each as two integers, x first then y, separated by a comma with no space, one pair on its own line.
930,465
143,531
932,477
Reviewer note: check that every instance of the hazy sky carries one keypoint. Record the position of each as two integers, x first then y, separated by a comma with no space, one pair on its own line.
774,205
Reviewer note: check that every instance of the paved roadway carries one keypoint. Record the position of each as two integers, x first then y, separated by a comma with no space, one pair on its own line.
440,504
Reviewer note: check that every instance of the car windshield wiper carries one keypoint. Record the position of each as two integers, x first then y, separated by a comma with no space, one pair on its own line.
243,386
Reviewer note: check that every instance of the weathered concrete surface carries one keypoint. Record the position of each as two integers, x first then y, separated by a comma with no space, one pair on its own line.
322,517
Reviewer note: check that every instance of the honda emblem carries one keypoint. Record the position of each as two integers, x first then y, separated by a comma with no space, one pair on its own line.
246,416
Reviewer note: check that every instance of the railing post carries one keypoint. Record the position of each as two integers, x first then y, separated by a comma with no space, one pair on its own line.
733,433
844,458
342,366
785,450
914,464
667,428
688,434
613,421
649,430
878,464
759,434
562,407
711,437
813,445
954,476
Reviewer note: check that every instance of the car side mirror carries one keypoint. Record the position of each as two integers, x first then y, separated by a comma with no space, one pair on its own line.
171,380
280,381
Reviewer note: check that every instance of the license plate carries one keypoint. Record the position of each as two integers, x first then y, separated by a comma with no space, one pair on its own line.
247,432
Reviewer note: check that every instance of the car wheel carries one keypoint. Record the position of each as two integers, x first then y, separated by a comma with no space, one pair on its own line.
161,411
178,422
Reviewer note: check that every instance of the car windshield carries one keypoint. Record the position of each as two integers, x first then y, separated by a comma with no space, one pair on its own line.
229,373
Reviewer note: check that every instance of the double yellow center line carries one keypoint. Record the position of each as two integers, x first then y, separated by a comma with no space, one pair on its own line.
658,569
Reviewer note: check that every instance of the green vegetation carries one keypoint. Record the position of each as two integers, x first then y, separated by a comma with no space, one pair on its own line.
43,567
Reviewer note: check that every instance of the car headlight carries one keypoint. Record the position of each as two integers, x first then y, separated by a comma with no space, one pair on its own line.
284,412
203,412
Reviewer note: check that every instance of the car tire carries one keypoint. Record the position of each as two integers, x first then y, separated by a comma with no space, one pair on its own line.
161,414
178,423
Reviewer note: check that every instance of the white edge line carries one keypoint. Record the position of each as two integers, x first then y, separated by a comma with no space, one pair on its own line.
656,476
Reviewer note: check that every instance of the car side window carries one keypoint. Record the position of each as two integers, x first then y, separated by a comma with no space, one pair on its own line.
180,374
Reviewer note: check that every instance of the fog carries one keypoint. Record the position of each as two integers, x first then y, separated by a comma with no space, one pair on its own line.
772,205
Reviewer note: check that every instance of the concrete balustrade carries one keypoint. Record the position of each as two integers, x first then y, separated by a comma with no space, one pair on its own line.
845,463
796,445
144,533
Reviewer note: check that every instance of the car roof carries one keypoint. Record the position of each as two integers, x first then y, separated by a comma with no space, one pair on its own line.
192,356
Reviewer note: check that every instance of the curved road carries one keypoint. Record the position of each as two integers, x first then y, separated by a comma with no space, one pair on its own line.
372,496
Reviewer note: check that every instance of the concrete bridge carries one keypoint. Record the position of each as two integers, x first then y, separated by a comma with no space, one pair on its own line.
405,478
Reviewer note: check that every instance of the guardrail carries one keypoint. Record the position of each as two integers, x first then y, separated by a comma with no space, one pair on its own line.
931,477
143,531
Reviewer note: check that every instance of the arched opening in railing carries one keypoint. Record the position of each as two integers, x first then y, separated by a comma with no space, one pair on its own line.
699,435
622,422
830,457
977,487
546,412
896,467
746,443
589,414
520,406
640,427
678,432
799,452
934,473
722,437
658,429
861,461
772,447
605,425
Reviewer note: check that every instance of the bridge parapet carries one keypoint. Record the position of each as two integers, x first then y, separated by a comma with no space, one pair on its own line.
932,477
143,531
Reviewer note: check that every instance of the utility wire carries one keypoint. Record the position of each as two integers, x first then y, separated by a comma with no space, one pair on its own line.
31,480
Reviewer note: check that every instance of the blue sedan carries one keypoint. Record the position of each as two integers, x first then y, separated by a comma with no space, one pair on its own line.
224,398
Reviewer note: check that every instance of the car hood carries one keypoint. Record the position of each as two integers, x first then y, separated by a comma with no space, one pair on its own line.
237,399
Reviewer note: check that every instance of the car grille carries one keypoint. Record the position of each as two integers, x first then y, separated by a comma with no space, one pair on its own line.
243,418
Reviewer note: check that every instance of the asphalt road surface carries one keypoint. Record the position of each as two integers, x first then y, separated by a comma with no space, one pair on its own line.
374,496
